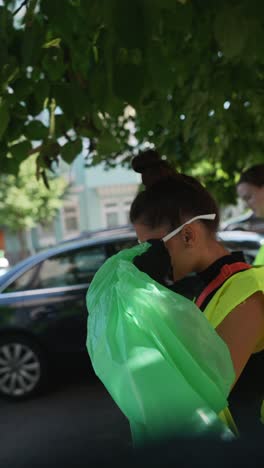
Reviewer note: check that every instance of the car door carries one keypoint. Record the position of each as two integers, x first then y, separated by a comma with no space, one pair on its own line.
54,293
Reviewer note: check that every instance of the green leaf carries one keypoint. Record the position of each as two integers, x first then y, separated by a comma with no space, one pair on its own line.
49,151
9,72
63,95
163,57
107,144
6,20
15,129
3,149
35,130
128,82
98,122
125,15
4,117
54,43
22,88
35,102
159,66
71,150
62,125
20,150
20,112
178,17
9,166
73,100
228,28
55,11
53,64
95,53
41,91
31,43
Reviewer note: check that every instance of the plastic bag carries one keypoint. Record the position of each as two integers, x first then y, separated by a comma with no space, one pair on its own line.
157,355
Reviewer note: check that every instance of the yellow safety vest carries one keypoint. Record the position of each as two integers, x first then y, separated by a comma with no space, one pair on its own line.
233,292
259,260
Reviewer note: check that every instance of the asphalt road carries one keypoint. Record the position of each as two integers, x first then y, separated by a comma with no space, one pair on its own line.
76,424
74,419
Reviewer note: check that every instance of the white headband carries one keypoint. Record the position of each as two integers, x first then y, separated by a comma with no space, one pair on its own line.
176,231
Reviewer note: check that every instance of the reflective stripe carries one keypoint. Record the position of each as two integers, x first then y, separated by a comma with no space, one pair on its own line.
259,260
227,418
225,272
233,292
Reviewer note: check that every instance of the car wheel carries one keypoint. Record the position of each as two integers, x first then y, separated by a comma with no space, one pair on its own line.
22,367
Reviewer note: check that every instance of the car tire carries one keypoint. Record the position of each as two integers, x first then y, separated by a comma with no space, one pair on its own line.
23,368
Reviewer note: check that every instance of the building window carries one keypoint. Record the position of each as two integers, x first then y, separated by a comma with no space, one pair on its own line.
71,218
112,219
115,203
116,212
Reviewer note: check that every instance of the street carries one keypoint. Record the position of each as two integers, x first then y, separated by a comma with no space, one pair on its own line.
75,416
76,424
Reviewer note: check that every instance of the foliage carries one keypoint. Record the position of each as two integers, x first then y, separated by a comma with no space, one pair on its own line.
178,63
25,201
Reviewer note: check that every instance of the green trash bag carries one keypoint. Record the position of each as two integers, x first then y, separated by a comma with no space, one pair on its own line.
156,354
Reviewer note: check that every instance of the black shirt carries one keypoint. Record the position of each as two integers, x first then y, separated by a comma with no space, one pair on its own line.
213,271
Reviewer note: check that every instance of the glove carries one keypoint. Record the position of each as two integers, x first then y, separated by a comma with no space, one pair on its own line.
155,262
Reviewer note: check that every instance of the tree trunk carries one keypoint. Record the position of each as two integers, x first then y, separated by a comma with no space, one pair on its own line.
30,246
23,244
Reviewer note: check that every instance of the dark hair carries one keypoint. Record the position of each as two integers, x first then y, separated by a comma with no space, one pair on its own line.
170,198
254,175
151,167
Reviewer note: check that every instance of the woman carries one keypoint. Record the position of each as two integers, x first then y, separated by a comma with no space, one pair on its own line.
178,210
250,188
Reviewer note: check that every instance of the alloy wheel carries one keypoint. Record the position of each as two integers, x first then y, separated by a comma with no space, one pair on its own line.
19,369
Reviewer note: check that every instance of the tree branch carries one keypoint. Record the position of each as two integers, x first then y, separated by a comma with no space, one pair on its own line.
24,3
35,150
65,134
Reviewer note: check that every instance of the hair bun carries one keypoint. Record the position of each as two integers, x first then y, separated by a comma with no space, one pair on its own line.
152,167
146,160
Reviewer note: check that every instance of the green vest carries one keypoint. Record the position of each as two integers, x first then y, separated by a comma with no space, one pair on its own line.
259,260
233,292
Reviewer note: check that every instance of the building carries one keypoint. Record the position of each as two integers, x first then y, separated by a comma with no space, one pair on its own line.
97,199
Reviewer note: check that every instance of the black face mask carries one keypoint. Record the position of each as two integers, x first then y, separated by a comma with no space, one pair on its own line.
155,262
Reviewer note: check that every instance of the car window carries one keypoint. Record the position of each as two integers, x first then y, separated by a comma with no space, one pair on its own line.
123,244
66,269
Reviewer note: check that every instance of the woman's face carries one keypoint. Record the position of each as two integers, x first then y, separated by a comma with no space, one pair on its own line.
145,232
179,247
253,196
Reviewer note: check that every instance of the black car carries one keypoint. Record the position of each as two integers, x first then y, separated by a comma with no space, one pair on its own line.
246,222
43,315
248,242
